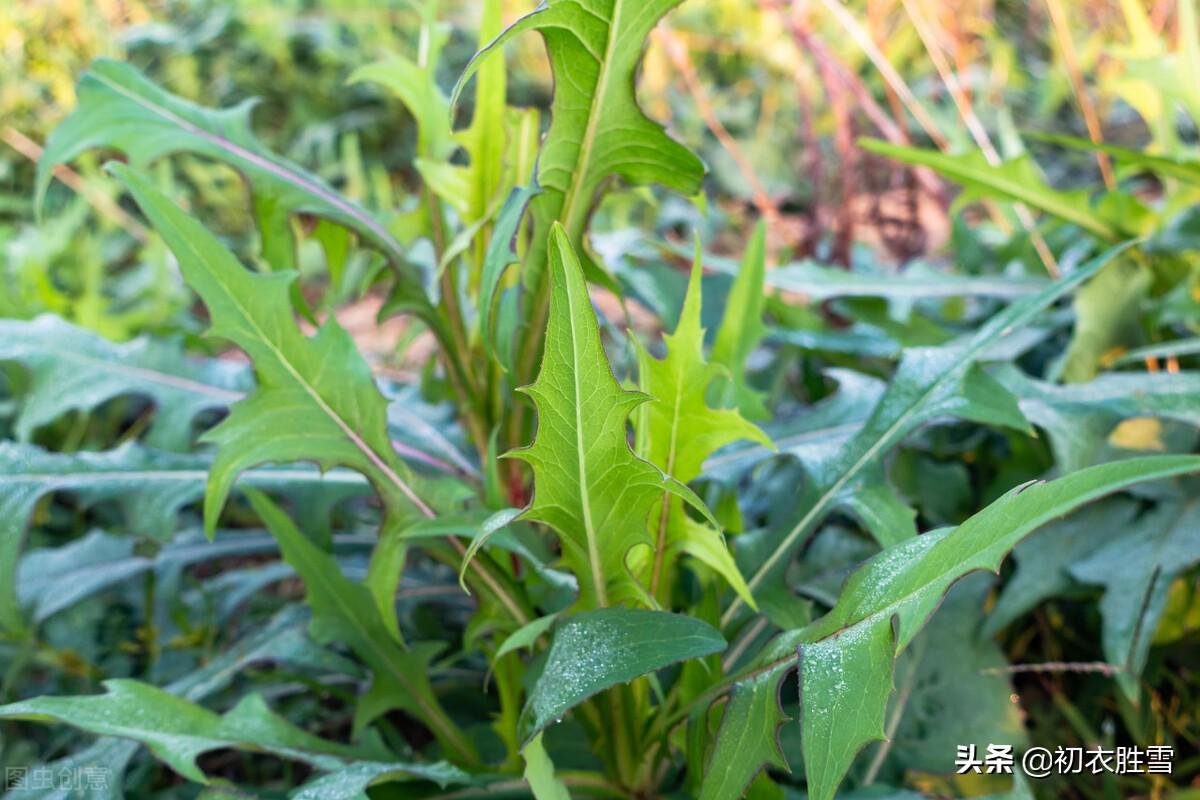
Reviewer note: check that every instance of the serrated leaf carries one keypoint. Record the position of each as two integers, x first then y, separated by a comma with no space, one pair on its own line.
346,611
597,130
596,650
588,485
742,328
417,89
71,368
316,399
847,656
677,432
928,383
177,731
120,108
1016,180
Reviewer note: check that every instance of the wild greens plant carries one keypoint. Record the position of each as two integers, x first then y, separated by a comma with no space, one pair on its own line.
634,524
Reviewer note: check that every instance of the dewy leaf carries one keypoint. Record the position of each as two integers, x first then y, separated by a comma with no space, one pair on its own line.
846,657
597,130
121,109
749,736
316,398
71,368
151,487
742,328
588,485
677,431
346,611
177,731
929,383
595,650
1016,180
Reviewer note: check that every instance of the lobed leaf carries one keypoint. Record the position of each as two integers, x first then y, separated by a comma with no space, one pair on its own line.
316,399
588,485
120,108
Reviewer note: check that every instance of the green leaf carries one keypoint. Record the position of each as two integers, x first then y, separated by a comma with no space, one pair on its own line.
1107,313
73,369
539,772
177,731
120,108
588,485
352,782
417,89
1016,180
597,130
150,487
346,611
742,328
929,383
951,688
1136,570
677,431
501,252
1178,167
748,739
595,650
821,283
1078,418
316,398
846,657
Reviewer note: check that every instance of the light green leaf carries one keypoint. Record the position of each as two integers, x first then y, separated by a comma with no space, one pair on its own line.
346,611
1016,180
595,650
73,369
539,772
929,383
120,108
588,486
677,431
742,328
316,399
1107,313
177,731
597,130
417,89
525,636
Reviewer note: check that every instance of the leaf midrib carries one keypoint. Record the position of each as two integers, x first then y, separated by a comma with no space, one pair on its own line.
338,202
